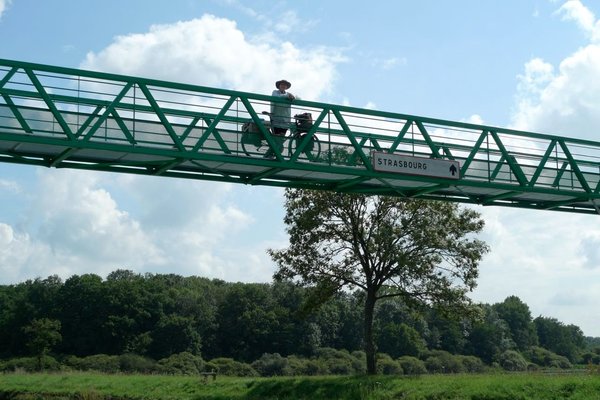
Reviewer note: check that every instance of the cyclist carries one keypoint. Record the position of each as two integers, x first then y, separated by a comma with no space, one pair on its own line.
281,114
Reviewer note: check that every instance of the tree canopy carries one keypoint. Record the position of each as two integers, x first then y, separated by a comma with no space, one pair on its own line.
421,251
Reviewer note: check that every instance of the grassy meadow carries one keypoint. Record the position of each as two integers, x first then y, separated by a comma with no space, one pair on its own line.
84,386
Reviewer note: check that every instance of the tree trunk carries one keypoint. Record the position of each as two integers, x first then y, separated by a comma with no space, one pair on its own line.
369,340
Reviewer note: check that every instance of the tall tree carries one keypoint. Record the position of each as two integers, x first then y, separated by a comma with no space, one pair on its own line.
518,317
566,340
490,336
419,250
43,334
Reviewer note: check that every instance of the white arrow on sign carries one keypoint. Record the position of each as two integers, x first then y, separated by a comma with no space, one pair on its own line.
387,162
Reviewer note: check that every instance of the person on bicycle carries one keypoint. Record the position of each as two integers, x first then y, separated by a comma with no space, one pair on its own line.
281,114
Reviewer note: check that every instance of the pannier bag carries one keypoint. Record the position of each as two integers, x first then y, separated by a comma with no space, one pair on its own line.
303,122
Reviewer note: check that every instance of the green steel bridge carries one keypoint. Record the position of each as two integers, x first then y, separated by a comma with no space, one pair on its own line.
70,118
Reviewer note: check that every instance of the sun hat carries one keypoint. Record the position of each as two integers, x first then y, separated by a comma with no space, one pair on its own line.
289,85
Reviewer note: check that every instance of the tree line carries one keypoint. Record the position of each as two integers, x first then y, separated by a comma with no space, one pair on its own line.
371,274
162,315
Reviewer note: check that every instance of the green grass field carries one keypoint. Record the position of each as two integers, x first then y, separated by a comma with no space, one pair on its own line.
83,386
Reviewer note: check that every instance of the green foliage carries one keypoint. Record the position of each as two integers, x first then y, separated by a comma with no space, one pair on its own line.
305,367
565,340
472,364
440,361
42,334
400,339
367,242
30,364
512,360
167,317
412,365
174,334
514,386
230,367
591,357
338,362
249,317
517,316
490,336
386,365
272,365
134,363
181,364
546,358
97,362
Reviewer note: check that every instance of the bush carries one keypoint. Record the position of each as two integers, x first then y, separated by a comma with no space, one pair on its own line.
412,365
546,358
272,365
387,366
472,364
400,339
512,360
337,362
181,364
97,362
303,366
591,358
440,361
136,363
434,365
30,364
230,367
359,361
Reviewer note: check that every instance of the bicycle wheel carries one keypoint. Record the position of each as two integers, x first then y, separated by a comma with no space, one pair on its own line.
311,151
253,145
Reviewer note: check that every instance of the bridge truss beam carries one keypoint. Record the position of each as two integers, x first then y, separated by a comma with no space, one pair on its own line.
70,118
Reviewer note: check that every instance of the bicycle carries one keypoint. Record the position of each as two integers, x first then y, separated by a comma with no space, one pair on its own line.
255,144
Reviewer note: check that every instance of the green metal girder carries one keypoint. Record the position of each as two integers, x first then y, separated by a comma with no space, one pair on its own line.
70,118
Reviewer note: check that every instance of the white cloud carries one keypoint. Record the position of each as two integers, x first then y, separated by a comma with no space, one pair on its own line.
387,64
564,102
574,10
76,223
9,186
212,51
540,256
590,250
550,260
4,6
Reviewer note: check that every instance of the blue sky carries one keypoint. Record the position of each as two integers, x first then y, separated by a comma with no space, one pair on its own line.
526,64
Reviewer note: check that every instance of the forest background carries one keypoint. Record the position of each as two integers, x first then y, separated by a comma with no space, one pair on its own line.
185,325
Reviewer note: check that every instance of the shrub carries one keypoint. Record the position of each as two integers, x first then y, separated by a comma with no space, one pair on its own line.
136,363
31,364
338,362
400,339
434,365
359,361
97,362
412,365
587,358
512,360
472,364
387,366
440,361
591,358
230,367
181,364
546,358
303,366
272,365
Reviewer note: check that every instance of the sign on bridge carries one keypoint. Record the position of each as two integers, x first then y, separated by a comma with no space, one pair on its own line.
396,163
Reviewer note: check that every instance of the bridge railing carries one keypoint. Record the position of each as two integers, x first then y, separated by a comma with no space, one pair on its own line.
92,110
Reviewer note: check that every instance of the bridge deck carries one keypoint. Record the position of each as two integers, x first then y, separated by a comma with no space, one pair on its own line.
68,118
